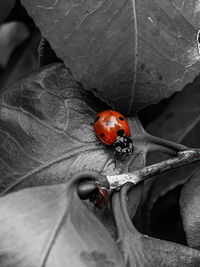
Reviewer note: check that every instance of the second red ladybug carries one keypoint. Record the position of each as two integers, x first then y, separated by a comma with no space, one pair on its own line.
112,128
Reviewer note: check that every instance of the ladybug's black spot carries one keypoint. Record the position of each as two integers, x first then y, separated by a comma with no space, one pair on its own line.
120,132
102,135
108,123
121,119
97,118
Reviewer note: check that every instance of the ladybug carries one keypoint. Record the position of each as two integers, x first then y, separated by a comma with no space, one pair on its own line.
102,198
94,192
113,130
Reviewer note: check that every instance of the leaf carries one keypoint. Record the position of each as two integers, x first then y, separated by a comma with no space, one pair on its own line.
142,250
129,53
180,117
22,61
46,132
190,211
5,8
50,226
179,122
165,220
11,35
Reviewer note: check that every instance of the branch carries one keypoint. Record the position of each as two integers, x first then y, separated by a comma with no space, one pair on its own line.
165,146
183,158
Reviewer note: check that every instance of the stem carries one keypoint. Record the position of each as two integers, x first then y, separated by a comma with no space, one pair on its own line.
183,158
162,149
161,143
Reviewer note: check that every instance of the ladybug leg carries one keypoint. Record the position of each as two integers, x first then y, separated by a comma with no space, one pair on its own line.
115,158
131,147
122,157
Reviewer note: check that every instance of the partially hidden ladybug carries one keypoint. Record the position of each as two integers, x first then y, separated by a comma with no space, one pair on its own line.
113,130
94,192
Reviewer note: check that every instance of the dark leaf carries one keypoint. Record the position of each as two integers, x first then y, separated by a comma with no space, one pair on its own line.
142,250
166,221
5,8
23,61
129,53
50,226
190,210
179,122
181,116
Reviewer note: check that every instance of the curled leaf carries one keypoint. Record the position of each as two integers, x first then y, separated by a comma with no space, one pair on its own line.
190,210
142,250
50,226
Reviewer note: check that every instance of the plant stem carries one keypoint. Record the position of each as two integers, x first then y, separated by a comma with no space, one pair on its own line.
183,158
163,143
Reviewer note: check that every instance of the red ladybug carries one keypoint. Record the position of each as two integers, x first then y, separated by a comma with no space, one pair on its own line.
94,192
112,128
103,197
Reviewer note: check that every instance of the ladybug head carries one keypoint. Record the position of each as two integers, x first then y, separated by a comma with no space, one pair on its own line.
123,145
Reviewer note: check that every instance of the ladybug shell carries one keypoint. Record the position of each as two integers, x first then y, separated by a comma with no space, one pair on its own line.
107,123
104,194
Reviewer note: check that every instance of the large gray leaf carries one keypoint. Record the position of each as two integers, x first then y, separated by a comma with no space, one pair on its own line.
49,226
46,132
129,53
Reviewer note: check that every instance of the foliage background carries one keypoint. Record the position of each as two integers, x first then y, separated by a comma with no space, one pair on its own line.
122,54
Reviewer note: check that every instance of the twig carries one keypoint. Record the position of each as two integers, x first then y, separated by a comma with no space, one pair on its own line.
183,158
163,145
